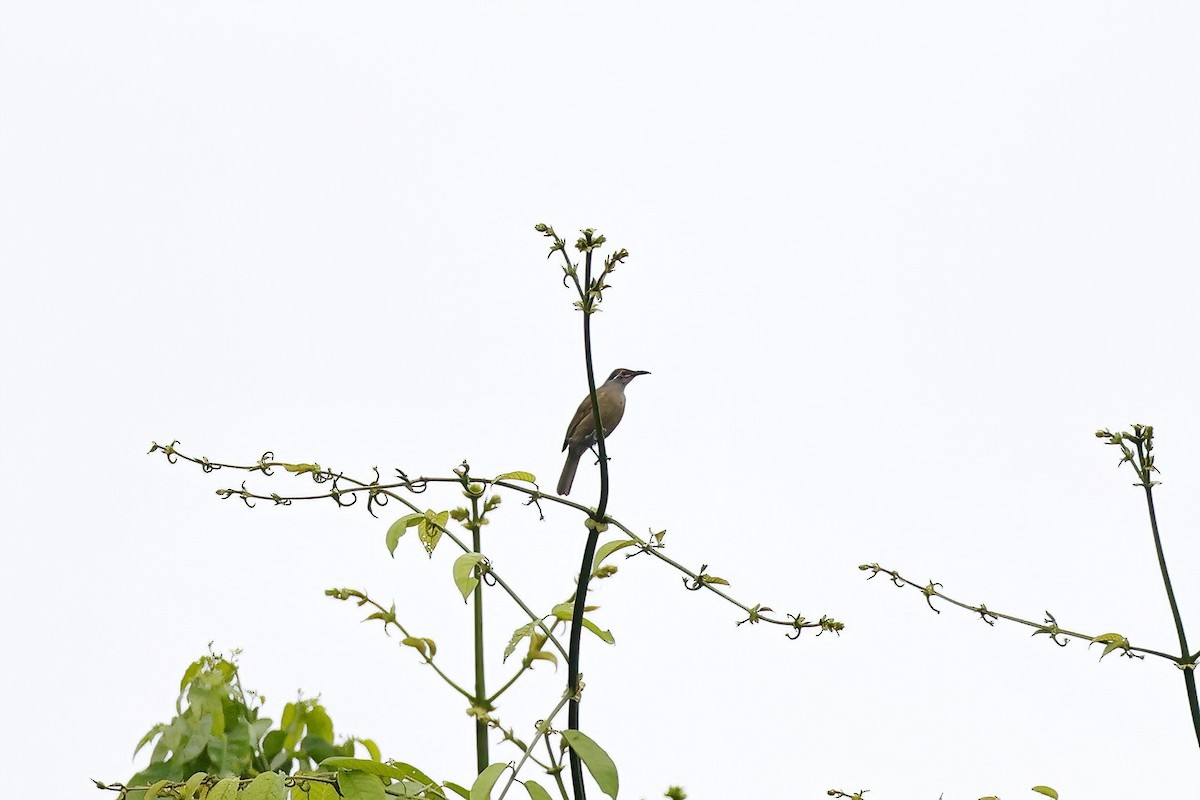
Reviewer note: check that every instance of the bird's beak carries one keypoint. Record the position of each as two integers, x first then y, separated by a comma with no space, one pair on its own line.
641,372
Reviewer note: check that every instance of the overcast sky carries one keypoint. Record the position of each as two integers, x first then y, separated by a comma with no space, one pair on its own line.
891,265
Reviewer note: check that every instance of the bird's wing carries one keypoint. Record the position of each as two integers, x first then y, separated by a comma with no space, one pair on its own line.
583,412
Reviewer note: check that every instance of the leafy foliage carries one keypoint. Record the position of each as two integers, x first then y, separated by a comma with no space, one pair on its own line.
218,730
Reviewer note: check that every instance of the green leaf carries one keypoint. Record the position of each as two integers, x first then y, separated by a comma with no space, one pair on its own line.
226,789
420,645
197,739
415,774
459,790
149,737
605,636
397,770
220,758
272,743
1046,790
398,529
536,653
300,469
564,611
544,655
372,748
1112,641
155,788
238,736
519,634
429,529
608,549
464,565
319,748
481,789
191,672
318,722
290,712
316,791
359,785
267,786
188,790
517,476
603,770
536,792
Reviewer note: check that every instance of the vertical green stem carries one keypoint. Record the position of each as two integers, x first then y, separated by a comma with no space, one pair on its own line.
1189,674
562,789
481,739
589,550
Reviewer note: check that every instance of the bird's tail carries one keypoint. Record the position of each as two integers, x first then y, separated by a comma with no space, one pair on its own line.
568,474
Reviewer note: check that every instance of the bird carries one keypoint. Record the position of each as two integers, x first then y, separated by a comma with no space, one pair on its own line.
581,433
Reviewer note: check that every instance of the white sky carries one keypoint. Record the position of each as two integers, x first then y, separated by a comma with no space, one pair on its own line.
891,265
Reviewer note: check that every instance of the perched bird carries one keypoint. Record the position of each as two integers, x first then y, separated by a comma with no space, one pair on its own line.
581,433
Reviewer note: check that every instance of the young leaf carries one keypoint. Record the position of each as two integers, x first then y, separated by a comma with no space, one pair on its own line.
372,748
193,783
1111,641
149,737
536,653
191,672
362,765
154,789
459,790
481,789
603,770
266,786
605,636
414,774
396,770
517,476
429,529
608,549
316,791
226,789
1046,790
545,655
356,785
564,611
420,645
464,565
398,529
198,737
318,721
520,633
536,792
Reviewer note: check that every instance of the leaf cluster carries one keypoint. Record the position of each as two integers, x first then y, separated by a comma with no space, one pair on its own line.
218,729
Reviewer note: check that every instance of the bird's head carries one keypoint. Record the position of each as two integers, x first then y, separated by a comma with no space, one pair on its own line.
624,376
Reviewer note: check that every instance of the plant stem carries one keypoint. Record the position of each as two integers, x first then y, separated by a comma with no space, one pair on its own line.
1189,673
562,788
492,700
542,731
589,549
480,699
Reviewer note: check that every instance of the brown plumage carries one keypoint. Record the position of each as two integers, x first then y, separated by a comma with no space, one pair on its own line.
581,433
